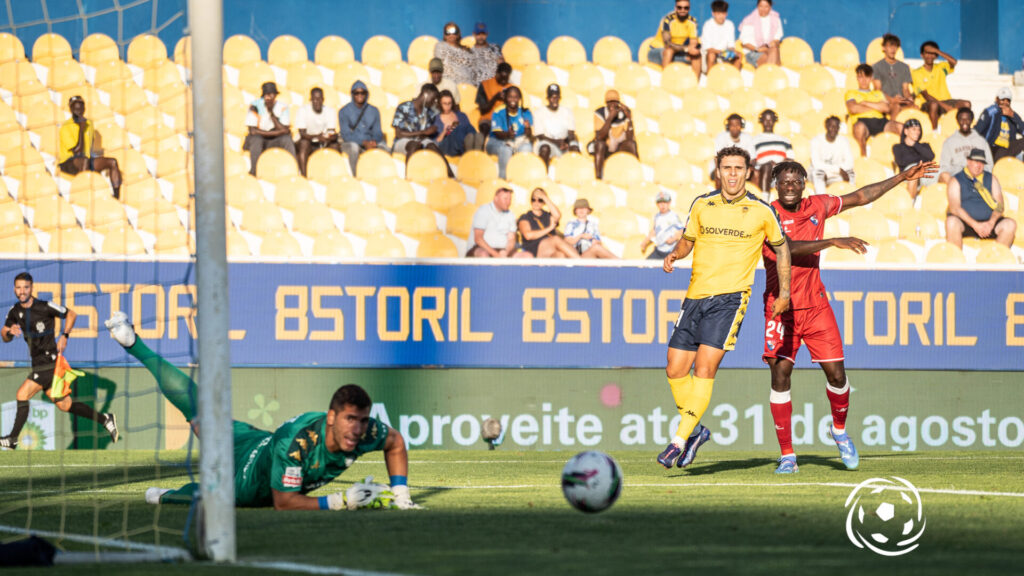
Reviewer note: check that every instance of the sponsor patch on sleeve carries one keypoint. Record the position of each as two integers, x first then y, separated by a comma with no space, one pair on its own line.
292,477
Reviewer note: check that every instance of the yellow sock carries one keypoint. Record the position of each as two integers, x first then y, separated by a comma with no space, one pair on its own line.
679,388
692,402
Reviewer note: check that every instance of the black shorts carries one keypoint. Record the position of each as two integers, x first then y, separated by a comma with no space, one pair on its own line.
42,375
874,125
970,233
68,166
713,321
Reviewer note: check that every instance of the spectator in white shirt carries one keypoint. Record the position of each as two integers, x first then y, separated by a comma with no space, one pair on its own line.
268,121
733,135
554,128
317,126
494,228
761,35
718,37
583,234
831,157
666,230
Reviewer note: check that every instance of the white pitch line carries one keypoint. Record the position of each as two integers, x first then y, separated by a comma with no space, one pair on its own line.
312,569
166,553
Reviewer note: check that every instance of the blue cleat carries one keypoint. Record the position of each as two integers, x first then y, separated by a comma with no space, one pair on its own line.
787,465
670,455
847,451
692,444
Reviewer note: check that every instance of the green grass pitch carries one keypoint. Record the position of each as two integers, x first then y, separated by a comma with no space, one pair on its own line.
502,512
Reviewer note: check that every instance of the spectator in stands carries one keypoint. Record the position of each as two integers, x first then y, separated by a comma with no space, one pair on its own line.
893,76
957,146
976,205
867,107
512,130
459,61
769,149
666,229
490,96
415,125
718,38
930,83
317,128
76,138
582,233
676,39
831,157
359,123
437,78
1001,127
613,131
494,228
487,55
761,35
554,128
269,126
455,133
538,229
733,135
910,152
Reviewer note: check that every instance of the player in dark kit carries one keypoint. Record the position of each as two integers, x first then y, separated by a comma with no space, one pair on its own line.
810,318
33,319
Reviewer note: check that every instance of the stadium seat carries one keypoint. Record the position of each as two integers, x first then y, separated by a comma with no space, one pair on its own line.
671,173
791,103
460,220
379,51
71,240
275,163
992,252
1010,173
364,219
290,191
945,253
162,217
880,148
700,101
399,78
87,185
631,78
65,74
346,73
676,124
520,51
618,224
934,200
598,193
303,76
437,246
325,165
252,75
536,78
678,78
770,79
145,51
384,245
622,169
50,48
343,192
921,116
640,197
724,80
142,194
10,214
485,190
894,252
611,52
816,80
122,240
425,166
125,96
261,217
240,50
572,168
36,184
874,52
175,240
242,189
420,51
652,147
11,48
746,102
444,194
795,53
393,192
839,53
375,165
565,52
20,78
183,52
286,50
917,227
97,48
476,166
332,245
833,103
52,213
415,219
697,149
18,239
525,167
585,77
869,225
653,102
332,51
868,171
280,244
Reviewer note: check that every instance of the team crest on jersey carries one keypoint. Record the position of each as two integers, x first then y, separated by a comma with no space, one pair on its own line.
745,208
40,326
814,219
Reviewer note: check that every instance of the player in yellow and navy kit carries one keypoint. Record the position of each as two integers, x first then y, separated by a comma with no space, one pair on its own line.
725,230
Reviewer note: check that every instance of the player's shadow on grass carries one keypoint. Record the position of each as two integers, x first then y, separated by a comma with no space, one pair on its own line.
696,469
824,462
90,435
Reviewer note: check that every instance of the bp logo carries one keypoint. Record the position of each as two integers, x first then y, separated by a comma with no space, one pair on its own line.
885,516
32,437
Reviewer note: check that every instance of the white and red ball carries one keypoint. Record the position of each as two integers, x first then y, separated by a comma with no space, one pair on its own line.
591,481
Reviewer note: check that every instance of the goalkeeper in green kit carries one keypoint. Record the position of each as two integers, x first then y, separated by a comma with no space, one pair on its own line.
279,468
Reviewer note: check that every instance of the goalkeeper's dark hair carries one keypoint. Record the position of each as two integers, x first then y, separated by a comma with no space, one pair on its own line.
350,394
732,151
788,166
23,276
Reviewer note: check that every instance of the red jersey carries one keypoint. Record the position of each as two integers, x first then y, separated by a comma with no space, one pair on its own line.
808,223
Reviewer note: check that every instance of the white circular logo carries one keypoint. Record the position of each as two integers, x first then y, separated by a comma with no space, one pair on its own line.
885,516
40,326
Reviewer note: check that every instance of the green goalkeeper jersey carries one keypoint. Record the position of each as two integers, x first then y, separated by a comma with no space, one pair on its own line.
294,458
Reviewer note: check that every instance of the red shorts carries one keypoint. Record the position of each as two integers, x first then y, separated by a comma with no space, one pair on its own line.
816,327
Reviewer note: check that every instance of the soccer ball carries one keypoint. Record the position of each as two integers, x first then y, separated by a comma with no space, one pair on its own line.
591,481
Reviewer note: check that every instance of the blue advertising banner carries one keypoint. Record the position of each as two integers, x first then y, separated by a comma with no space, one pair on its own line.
466,315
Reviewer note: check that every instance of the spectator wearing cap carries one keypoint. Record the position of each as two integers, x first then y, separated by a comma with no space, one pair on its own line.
460,63
455,133
929,83
1001,127
582,233
959,144
359,125
511,130
910,152
490,96
269,126
494,228
676,39
538,229
761,35
487,55
666,229
769,149
76,138
438,78
831,157
554,128
317,126
976,205
613,131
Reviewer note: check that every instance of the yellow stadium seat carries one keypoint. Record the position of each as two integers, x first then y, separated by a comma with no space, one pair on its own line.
1010,173
917,227
536,78
652,147
122,240
252,75
770,79
869,225
415,219
995,253
833,103
816,80
312,219
520,51
653,102
10,215
565,52
146,50
934,200
670,172
364,219
622,169
393,192
286,50
332,245
52,213
640,197
235,163
618,224
11,48
572,168
945,253
894,252
175,241
444,194
36,184
697,149
20,77
631,78
343,192
261,217
919,115
237,244
87,185
724,80
290,191
839,53
384,245
163,216
700,101
880,148
611,52
303,76
346,73
332,51
677,79
240,50
485,191
598,193
49,48
280,244
375,165
379,51
437,246
746,102
183,187
18,239
420,51
792,103
142,194
275,163
948,125
460,220
242,190
71,240
795,53
526,167
399,78
125,96
97,48
676,124
868,171
65,74
425,166
476,167
874,52
325,165
183,52
585,77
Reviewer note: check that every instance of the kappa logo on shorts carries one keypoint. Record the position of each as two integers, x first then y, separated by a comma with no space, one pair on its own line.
292,477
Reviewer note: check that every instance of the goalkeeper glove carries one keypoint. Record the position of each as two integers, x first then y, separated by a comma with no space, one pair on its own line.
367,494
403,501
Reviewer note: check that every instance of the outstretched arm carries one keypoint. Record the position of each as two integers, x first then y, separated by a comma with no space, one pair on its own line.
872,192
805,247
396,458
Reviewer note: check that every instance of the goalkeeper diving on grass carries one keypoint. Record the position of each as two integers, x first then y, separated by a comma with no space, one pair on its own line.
279,468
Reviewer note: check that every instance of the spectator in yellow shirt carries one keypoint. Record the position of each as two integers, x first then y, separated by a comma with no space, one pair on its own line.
75,152
677,39
930,83
868,107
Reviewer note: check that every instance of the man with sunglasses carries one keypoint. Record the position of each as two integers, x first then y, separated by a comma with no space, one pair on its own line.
677,40
359,125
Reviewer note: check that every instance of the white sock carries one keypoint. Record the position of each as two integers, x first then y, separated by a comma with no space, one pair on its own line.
779,397
678,441
843,390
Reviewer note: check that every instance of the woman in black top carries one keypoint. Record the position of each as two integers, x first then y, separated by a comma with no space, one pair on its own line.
537,229
911,151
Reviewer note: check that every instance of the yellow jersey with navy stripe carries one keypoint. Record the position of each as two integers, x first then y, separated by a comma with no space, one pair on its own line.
679,30
727,239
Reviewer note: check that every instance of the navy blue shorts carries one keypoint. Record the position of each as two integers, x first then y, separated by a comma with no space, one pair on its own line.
713,321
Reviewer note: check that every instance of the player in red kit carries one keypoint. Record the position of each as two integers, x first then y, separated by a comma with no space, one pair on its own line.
810,319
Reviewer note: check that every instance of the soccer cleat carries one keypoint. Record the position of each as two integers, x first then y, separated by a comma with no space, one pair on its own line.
692,444
110,423
120,329
670,455
787,465
153,494
847,451
8,442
